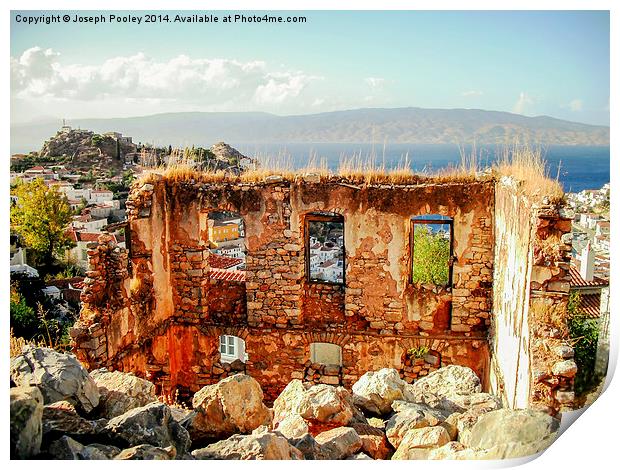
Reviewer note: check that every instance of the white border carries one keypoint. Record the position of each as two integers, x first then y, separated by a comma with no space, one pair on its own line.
592,442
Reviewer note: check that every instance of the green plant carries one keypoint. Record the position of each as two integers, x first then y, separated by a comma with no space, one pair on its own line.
584,338
40,217
23,317
417,352
431,256
96,140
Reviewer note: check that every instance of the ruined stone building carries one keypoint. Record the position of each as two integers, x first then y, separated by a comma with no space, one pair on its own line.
497,304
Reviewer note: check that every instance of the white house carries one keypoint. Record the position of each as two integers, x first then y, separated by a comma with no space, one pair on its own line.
100,195
232,348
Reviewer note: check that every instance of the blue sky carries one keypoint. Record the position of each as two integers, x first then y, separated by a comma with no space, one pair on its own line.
554,63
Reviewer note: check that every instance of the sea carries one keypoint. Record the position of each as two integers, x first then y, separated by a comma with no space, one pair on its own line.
576,167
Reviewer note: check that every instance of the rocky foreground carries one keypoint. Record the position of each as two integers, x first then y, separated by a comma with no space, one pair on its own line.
61,411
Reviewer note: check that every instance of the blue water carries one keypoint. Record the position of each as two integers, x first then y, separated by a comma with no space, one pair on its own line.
580,167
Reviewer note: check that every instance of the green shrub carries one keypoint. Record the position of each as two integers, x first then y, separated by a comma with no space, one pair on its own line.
431,256
584,336
24,320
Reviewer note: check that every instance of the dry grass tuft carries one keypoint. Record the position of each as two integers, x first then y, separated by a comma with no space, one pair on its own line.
520,162
17,343
528,166
553,315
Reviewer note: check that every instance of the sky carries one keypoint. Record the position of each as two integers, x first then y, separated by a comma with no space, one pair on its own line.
552,63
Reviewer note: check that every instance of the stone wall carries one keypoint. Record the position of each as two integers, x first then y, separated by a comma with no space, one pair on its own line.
170,314
530,354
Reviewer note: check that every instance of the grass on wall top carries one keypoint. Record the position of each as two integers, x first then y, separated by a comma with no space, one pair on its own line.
523,163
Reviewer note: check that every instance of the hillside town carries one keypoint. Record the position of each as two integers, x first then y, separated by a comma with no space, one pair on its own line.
93,173
590,262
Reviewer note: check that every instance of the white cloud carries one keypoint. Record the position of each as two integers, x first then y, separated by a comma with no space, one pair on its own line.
375,82
576,105
522,103
281,86
38,74
472,93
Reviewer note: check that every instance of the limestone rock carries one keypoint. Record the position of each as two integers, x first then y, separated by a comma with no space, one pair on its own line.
146,452
447,381
292,427
417,443
59,376
307,445
260,445
61,419
26,428
317,404
339,443
399,424
151,424
464,422
376,423
179,414
374,441
478,401
456,451
565,368
67,448
360,456
434,415
233,405
375,392
99,452
513,433
121,392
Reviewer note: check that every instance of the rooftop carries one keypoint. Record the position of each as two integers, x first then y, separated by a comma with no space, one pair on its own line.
86,236
225,275
590,305
223,262
577,281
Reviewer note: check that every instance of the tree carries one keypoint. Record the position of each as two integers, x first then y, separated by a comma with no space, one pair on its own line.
96,140
40,217
431,256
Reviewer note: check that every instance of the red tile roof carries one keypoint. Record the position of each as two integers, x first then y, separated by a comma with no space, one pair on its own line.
226,275
590,305
86,236
223,262
577,281
64,283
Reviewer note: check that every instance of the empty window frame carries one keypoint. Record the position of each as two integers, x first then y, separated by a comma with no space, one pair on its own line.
325,248
326,353
431,250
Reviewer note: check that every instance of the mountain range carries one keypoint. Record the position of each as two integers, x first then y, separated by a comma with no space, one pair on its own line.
366,125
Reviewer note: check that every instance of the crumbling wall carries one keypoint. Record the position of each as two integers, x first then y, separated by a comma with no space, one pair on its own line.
170,313
530,355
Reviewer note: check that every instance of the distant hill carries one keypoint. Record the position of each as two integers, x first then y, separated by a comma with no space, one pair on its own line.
394,125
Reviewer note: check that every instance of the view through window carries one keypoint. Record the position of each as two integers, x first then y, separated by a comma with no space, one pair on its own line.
432,249
325,248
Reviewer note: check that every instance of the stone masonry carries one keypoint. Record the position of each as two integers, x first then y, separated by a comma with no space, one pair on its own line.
167,316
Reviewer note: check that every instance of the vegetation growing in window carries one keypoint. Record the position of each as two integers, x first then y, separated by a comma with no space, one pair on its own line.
431,253
417,352
584,336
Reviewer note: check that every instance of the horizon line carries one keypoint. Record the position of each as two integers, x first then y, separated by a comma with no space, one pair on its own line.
52,118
